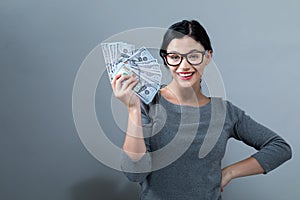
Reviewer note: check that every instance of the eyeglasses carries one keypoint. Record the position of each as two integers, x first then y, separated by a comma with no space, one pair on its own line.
193,58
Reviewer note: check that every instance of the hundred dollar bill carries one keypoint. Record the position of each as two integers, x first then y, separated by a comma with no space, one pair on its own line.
124,48
126,70
149,76
107,59
121,58
145,90
141,55
114,53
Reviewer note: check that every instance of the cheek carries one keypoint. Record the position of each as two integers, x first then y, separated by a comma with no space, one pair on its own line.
172,70
200,69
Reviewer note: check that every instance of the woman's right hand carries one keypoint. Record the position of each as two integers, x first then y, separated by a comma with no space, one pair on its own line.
122,88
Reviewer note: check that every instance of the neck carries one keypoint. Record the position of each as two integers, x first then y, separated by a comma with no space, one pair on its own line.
190,95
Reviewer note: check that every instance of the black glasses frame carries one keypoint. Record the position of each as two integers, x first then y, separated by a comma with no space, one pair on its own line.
184,55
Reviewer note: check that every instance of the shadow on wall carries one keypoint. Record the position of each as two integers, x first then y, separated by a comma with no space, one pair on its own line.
100,188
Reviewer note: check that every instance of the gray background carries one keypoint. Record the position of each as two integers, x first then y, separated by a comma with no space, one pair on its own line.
43,43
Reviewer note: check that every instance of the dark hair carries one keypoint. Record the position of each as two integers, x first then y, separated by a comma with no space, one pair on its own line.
178,30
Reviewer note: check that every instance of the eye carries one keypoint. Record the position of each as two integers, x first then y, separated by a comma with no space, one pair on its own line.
174,57
194,56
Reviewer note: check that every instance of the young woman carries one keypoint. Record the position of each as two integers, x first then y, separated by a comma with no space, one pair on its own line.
186,50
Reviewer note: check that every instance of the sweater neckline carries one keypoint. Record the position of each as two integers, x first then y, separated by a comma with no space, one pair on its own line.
183,106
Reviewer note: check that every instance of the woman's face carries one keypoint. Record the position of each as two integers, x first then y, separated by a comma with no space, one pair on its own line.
186,74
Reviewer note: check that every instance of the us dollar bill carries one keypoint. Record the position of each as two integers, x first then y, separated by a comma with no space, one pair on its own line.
122,58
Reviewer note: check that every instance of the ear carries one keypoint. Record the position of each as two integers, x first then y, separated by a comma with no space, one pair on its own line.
208,57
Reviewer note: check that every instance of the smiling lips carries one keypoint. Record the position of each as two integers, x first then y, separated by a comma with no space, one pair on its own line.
185,75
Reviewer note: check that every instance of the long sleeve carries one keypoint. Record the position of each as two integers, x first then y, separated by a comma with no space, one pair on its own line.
273,150
138,170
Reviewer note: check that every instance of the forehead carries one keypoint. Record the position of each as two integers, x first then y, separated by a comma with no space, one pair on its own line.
184,45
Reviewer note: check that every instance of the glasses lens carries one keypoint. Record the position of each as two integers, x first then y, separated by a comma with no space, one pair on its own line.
173,59
195,58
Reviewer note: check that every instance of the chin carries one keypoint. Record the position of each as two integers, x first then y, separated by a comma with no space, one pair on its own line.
188,84
194,82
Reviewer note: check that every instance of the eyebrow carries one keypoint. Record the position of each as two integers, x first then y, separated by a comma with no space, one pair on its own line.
187,52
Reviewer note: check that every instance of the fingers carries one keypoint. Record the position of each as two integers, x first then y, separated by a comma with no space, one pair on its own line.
122,89
132,84
120,81
124,83
226,178
129,83
113,82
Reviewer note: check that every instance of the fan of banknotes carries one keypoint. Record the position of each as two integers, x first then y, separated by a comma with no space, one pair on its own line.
123,58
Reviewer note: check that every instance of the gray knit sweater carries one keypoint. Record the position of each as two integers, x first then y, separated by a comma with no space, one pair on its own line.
185,147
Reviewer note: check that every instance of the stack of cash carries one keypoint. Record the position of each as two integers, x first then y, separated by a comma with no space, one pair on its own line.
122,58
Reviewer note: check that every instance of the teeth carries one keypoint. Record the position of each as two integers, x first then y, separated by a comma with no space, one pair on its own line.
185,75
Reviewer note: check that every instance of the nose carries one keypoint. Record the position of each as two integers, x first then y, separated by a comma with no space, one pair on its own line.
184,65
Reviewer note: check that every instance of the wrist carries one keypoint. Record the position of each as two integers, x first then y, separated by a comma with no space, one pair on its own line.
134,109
229,172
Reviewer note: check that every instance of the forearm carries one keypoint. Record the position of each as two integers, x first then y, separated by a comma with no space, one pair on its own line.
247,167
134,144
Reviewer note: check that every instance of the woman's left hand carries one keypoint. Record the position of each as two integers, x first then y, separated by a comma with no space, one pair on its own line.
226,177
246,167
